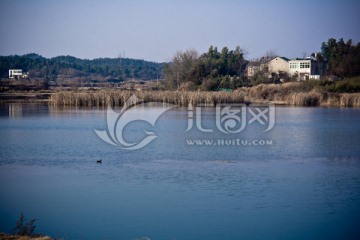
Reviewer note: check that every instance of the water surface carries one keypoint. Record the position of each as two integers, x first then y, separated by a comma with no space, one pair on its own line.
306,185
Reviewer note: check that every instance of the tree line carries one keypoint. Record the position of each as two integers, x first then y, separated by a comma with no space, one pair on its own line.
114,69
343,58
188,70
216,70
212,70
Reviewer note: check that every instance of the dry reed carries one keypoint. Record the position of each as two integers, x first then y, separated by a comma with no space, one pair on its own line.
119,97
289,94
294,94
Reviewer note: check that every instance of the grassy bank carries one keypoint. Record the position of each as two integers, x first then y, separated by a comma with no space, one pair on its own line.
288,94
295,94
343,93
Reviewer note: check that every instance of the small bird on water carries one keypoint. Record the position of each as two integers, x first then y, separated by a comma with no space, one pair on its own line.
99,161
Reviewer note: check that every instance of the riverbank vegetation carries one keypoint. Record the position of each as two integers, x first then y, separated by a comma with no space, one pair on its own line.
210,71
103,98
309,93
294,93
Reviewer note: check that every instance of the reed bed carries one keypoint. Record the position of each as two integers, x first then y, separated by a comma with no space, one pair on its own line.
287,94
119,97
349,100
294,94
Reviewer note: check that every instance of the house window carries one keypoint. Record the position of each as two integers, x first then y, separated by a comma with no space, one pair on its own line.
304,65
293,65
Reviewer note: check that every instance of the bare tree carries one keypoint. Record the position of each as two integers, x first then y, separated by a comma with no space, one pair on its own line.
270,54
182,67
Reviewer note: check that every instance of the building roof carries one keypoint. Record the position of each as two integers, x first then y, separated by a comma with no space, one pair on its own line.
253,64
302,59
283,58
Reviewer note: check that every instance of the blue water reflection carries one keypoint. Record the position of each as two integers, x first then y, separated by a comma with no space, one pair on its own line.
306,185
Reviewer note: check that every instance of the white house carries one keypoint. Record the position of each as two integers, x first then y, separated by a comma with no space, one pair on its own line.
17,73
281,67
308,68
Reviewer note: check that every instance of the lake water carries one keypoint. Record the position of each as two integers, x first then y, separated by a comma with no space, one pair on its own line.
304,184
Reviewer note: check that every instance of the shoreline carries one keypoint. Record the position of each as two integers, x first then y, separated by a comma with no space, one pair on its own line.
267,94
254,95
6,236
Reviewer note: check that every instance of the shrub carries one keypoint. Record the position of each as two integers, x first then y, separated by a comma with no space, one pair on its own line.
24,228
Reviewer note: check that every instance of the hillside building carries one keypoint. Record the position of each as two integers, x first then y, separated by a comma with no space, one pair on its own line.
17,73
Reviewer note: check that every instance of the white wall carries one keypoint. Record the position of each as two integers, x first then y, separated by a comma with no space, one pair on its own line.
299,66
15,72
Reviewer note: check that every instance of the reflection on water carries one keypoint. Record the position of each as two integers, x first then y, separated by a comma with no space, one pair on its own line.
18,110
74,110
15,110
305,186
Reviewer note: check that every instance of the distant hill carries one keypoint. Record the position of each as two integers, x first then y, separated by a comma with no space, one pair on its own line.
100,69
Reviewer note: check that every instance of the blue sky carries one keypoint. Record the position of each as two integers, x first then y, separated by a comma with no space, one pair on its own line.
155,30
